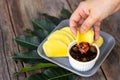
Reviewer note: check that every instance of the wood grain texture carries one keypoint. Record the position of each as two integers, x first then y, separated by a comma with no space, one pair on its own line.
23,11
54,7
111,65
4,74
74,4
8,46
21,17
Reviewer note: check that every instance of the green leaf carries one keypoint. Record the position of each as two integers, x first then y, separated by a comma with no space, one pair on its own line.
31,57
30,42
42,28
45,25
48,25
41,34
54,74
65,14
37,25
38,66
53,19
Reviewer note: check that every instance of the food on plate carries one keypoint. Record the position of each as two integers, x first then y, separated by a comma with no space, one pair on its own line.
85,37
55,48
57,35
100,41
67,34
67,29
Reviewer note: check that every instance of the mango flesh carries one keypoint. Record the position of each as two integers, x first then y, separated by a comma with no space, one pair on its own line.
67,29
55,48
100,41
59,36
85,37
67,34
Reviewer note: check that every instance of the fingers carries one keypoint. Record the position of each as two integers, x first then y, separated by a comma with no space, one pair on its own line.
73,29
81,21
87,24
77,18
84,14
74,20
97,30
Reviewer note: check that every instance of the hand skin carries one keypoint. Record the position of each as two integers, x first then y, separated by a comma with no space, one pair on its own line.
90,13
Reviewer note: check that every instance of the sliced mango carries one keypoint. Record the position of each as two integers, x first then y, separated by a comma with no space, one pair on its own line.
85,37
60,36
99,42
67,34
55,48
67,29
64,33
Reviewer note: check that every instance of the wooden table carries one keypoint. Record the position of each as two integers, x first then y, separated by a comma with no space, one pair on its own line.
15,15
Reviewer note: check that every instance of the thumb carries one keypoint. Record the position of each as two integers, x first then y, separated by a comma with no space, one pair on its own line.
87,24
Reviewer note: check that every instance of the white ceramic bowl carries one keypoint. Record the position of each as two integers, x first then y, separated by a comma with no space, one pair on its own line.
79,65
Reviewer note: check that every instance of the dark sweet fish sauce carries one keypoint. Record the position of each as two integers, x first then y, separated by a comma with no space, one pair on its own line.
89,55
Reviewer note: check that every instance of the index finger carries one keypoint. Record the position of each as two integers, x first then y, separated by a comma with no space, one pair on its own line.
74,20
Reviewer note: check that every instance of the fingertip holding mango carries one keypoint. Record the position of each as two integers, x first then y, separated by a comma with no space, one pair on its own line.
85,37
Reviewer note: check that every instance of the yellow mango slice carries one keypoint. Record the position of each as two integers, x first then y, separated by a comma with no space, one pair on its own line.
55,48
64,33
60,36
67,29
67,34
100,41
85,37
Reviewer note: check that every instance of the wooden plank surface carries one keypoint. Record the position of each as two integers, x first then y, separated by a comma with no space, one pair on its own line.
74,4
54,7
8,46
4,74
111,66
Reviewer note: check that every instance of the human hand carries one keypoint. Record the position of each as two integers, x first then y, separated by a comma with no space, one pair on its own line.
90,13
